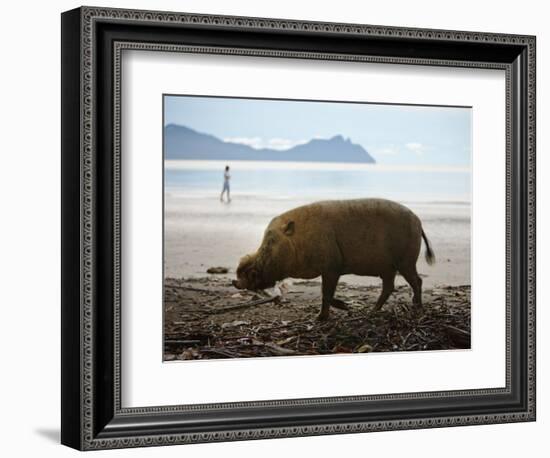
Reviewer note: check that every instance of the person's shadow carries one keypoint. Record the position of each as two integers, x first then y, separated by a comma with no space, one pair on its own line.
50,434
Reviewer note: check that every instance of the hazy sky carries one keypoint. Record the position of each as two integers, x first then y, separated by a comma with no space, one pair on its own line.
392,134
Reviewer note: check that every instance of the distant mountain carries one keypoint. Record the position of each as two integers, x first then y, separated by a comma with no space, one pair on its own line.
181,142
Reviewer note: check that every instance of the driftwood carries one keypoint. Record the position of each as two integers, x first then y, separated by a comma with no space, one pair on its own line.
245,305
278,350
458,336
188,288
217,270
242,305
457,330
182,342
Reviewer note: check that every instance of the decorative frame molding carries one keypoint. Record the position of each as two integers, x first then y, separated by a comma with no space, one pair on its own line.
92,414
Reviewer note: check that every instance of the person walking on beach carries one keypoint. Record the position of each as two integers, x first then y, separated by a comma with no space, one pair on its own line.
226,178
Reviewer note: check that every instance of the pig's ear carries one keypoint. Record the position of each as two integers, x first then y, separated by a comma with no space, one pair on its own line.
288,228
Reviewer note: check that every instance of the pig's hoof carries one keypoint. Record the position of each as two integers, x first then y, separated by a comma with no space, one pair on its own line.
339,304
322,317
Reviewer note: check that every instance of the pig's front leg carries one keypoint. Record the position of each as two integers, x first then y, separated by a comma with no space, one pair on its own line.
329,287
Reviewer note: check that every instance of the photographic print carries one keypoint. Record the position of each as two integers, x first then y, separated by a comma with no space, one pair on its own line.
305,228
333,199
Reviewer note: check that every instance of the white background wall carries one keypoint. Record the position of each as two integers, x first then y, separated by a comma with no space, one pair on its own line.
30,229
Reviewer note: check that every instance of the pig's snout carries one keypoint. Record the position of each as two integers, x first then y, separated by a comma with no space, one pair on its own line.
236,284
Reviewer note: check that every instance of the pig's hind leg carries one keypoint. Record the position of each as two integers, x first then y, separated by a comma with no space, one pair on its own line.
388,285
411,275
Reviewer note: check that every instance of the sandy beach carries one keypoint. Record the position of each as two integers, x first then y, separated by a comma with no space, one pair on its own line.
206,317
201,232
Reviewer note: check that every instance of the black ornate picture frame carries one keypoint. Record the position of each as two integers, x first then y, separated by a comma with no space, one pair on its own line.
92,42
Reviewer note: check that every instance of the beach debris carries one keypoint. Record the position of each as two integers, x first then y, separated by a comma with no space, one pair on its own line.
365,348
460,337
217,270
280,289
287,340
205,320
278,350
246,304
234,324
182,342
189,353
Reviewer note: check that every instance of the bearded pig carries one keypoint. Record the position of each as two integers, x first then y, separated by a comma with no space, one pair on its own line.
371,237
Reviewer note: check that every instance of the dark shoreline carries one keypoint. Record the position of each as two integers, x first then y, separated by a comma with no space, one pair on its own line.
206,318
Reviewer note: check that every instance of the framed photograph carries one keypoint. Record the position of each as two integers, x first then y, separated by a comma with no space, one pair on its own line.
276,228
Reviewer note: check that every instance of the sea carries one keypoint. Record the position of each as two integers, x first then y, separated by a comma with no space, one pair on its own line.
311,181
